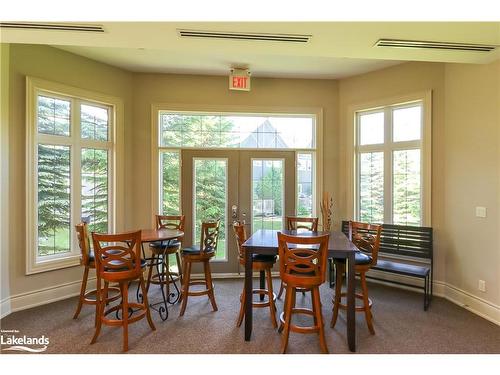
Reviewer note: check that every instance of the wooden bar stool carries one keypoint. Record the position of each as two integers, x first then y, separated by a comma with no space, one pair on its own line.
366,237
260,262
200,254
118,259
302,265
299,224
160,252
88,261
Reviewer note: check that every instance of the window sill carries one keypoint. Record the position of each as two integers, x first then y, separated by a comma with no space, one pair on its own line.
52,264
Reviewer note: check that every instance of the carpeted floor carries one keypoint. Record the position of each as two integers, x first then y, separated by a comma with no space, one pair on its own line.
401,326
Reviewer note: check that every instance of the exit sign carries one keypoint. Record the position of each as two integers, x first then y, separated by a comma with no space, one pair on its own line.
239,79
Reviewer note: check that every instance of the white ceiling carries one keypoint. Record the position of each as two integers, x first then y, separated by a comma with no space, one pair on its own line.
336,49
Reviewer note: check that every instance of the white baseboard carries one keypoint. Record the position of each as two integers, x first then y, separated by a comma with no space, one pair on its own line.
5,307
44,296
474,304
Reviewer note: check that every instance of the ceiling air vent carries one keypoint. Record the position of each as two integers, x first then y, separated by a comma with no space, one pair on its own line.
395,43
52,26
263,37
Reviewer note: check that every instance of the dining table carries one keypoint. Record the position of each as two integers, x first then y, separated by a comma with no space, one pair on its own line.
165,236
265,241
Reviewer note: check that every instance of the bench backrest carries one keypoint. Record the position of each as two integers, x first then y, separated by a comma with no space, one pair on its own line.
403,240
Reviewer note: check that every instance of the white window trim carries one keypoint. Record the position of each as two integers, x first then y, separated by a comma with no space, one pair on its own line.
115,161
194,239
426,154
282,192
316,112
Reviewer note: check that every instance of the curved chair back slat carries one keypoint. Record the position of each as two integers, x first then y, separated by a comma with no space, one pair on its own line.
366,237
209,236
306,223
170,222
119,254
303,259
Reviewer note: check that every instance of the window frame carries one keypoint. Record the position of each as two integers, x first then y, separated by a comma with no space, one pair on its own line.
317,149
387,105
113,146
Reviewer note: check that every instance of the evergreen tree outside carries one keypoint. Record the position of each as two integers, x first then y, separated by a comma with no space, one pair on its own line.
54,198
406,187
371,187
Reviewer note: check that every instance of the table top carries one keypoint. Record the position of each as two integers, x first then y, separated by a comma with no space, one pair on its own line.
151,235
266,241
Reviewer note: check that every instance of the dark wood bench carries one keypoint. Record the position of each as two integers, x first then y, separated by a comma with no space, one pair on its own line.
409,243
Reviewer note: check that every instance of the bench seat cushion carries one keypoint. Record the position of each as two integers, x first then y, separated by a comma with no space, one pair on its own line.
401,268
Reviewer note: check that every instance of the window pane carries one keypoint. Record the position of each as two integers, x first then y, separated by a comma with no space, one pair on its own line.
94,122
406,187
407,123
371,128
304,185
371,187
170,181
53,116
210,177
54,209
179,130
95,188
267,194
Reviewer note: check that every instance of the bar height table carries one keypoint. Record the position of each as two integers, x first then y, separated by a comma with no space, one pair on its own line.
265,241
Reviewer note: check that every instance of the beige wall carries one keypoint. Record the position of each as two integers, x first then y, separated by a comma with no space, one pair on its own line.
465,162
4,173
472,177
396,81
465,142
58,66
196,91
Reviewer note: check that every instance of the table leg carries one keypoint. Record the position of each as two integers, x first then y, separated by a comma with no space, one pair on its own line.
351,313
248,294
262,284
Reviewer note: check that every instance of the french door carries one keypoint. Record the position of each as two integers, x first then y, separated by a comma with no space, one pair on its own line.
256,187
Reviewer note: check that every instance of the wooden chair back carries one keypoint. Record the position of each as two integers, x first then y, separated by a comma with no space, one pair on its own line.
83,242
209,236
170,222
297,223
240,234
303,259
366,237
118,256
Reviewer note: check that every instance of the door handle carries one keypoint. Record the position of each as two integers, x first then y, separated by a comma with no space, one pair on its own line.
234,212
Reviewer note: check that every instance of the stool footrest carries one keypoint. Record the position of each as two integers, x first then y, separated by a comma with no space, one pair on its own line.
300,329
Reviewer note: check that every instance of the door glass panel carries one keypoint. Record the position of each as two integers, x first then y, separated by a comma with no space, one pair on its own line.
267,194
210,198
